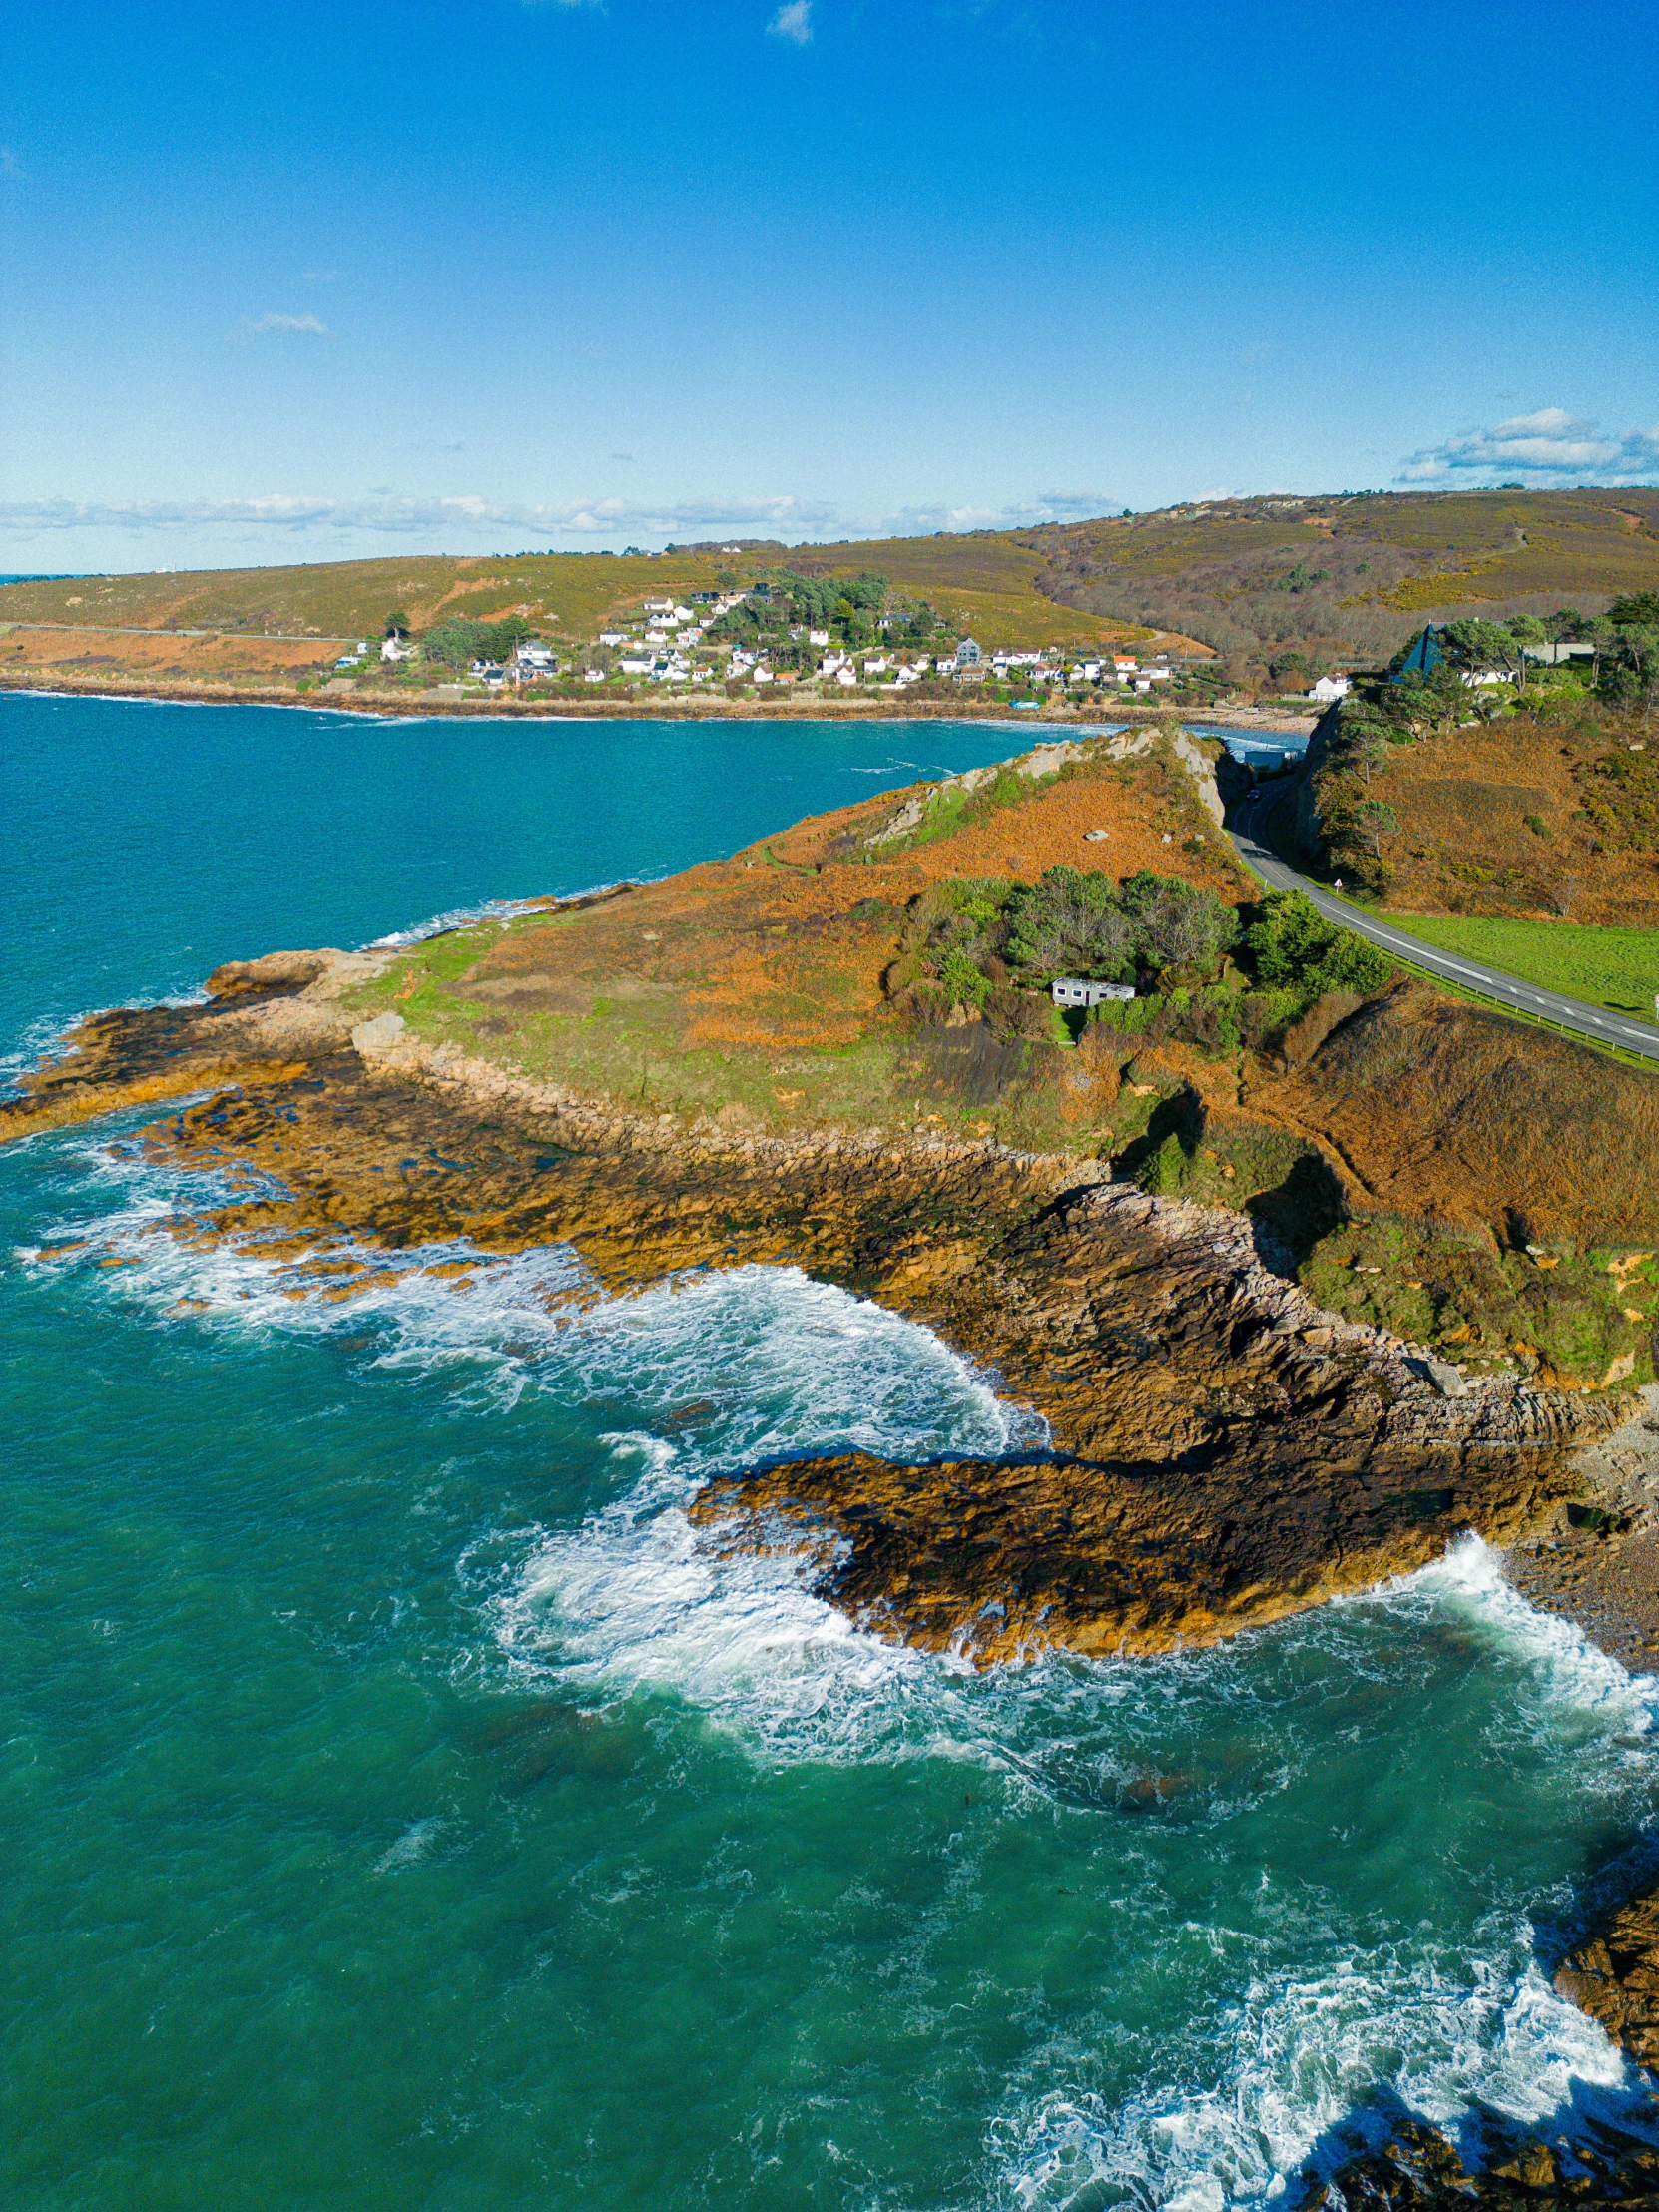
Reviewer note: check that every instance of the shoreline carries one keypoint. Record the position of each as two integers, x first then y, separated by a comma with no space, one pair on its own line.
1223,1453
389,709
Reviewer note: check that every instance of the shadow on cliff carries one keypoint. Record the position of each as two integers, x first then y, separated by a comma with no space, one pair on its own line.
1597,2148
1288,1220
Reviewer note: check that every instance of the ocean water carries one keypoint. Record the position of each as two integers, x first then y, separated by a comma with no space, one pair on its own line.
402,1806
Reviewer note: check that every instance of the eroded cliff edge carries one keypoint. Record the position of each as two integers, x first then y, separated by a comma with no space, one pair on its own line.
1220,1452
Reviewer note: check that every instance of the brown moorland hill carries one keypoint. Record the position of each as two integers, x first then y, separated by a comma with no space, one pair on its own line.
988,590
1359,572
1552,812
1343,576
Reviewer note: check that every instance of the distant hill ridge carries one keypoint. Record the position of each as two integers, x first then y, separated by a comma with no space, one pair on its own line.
1347,574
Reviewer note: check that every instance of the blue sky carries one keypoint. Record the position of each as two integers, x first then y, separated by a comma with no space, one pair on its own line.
300,281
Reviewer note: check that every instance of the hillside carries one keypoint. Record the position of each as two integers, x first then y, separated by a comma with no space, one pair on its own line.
1549,814
1351,577
985,587
1278,586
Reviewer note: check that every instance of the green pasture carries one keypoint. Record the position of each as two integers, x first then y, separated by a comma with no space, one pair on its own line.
1618,968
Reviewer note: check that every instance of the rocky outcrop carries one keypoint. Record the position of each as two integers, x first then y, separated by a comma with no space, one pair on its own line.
1615,1978
1221,1452
1417,2170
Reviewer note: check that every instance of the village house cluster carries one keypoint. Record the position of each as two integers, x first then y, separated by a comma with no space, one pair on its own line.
670,642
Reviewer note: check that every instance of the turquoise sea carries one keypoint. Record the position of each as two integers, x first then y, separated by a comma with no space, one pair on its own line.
402,1808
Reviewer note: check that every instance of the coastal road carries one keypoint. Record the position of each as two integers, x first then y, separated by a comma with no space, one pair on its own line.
1628,1031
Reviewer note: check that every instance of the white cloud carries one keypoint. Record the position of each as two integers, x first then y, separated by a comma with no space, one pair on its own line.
10,165
792,21
1550,447
295,326
319,275
281,523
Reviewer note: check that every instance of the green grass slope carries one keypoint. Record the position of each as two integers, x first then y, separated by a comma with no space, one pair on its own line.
1617,968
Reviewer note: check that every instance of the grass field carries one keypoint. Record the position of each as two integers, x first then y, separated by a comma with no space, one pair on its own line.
1618,968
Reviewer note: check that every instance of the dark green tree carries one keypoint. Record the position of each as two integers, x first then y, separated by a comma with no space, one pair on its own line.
1177,923
1071,923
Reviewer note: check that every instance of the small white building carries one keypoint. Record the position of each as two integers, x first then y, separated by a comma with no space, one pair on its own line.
969,653
395,649
817,637
1329,688
613,636
1073,990
534,657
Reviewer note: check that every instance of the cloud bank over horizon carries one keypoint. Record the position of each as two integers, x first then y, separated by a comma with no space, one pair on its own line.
341,527
1551,447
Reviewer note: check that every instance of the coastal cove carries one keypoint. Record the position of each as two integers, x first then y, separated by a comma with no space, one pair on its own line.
411,1800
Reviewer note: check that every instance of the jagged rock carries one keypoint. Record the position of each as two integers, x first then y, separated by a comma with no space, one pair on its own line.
1615,1978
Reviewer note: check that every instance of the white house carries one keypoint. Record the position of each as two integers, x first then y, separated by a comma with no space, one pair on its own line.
395,649
593,676
613,636
848,676
969,653
817,637
1329,688
1073,990
635,664
658,606
536,658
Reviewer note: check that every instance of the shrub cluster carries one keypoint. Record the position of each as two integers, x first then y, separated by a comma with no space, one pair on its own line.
459,643
1293,947
1071,923
995,949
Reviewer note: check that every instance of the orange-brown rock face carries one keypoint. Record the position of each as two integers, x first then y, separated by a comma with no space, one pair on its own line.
1221,1453
1615,1978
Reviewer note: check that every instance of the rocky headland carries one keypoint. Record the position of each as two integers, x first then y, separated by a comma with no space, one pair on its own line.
1182,1242
1294,1306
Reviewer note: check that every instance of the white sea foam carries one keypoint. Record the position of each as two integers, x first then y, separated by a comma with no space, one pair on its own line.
724,1371
456,917
1299,2058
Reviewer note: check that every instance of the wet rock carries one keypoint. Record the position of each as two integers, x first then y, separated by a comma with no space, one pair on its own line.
1615,1978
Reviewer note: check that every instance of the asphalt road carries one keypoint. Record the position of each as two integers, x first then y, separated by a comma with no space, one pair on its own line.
1628,1031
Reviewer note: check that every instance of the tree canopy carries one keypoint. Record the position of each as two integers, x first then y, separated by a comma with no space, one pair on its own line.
457,643
1295,947
1071,923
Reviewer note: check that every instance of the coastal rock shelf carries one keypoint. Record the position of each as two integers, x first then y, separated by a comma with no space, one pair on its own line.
1221,1451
